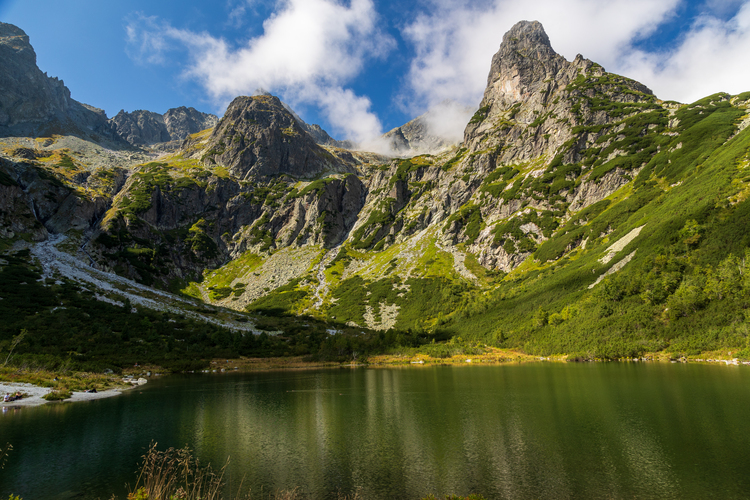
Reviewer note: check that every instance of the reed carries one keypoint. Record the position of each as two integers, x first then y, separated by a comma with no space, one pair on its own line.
4,451
175,474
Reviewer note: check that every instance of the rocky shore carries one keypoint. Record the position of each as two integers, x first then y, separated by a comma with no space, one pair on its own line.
34,395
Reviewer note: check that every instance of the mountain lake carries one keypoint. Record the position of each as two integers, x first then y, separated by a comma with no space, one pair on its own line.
538,430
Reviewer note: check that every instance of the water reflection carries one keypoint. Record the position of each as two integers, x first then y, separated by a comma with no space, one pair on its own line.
533,431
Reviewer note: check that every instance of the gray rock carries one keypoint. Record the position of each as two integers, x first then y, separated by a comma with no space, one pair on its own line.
146,128
141,127
258,136
33,104
182,121
416,137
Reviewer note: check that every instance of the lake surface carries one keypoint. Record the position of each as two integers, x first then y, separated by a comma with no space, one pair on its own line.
543,430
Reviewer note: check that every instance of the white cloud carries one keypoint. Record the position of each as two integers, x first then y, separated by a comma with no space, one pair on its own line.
311,51
308,52
146,42
711,58
237,11
348,113
456,41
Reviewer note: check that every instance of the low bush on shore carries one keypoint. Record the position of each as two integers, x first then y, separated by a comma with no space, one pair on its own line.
61,382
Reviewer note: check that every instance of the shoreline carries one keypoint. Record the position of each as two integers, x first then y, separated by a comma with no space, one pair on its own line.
36,393
246,365
494,356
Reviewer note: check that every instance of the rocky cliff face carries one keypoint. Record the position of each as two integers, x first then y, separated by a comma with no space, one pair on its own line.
141,127
245,185
182,121
33,104
146,128
530,88
319,135
258,137
557,158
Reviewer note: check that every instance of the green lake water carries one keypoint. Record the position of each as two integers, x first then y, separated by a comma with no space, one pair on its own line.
542,430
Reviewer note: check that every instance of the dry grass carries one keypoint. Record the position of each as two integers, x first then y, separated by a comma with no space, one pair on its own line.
492,355
175,474
61,381
262,364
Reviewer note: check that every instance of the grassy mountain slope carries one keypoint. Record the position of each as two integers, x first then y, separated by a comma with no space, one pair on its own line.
580,215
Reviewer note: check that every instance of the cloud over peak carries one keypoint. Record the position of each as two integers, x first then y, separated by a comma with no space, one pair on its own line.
308,52
316,52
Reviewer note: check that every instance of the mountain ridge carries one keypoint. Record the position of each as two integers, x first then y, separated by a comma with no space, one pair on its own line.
578,199
142,127
31,103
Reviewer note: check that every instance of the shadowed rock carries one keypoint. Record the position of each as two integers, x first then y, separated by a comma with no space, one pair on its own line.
258,136
142,127
33,104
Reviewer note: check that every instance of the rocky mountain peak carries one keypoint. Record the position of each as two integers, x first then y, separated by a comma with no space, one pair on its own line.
143,127
183,121
524,61
14,39
258,136
415,137
31,103
536,100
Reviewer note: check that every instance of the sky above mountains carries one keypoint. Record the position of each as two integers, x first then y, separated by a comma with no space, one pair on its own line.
362,67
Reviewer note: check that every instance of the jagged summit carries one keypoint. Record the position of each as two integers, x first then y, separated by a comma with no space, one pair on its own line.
525,59
143,127
258,136
535,99
31,103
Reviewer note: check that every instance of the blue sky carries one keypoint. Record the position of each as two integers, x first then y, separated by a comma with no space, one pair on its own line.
362,67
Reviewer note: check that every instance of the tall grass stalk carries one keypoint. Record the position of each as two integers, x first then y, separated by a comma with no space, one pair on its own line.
175,474
4,451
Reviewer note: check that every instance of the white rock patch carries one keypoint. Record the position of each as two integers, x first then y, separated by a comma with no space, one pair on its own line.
614,269
620,244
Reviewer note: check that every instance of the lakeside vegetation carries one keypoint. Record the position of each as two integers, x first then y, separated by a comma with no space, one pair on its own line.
176,474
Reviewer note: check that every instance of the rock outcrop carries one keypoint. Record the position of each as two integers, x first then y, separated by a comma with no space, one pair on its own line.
182,121
319,135
33,104
413,138
419,136
258,136
146,128
141,127
535,99
17,216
